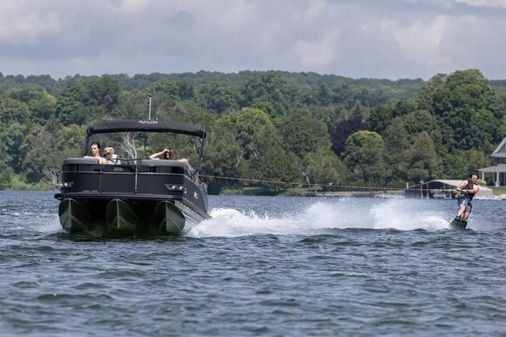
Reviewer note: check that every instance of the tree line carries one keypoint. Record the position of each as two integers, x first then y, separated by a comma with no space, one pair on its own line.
298,128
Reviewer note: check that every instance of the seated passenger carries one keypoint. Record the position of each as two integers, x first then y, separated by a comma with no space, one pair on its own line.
111,157
95,153
167,153
187,163
171,154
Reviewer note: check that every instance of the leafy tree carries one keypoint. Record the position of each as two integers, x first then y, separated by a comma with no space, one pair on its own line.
5,177
324,94
275,165
422,120
15,139
272,162
268,87
262,154
396,149
343,129
246,125
380,117
364,155
13,111
324,168
217,98
467,108
223,158
39,102
134,105
68,142
103,92
463,162
423,161
186,90
69,106
41,155
305,134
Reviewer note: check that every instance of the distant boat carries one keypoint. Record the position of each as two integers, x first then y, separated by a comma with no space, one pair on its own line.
137,197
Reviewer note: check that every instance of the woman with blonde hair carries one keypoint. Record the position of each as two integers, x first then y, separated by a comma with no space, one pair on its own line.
110,156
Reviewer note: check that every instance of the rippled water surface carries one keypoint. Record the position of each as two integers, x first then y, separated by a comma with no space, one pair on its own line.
262,266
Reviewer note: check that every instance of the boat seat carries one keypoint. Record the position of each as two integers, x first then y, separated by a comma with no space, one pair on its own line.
81,161
150,162
162,165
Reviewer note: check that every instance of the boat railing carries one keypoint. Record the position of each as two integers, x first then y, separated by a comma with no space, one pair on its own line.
87,174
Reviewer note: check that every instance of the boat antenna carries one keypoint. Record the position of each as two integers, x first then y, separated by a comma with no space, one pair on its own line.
149,113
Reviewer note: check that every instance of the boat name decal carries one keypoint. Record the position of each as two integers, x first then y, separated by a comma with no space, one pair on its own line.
148,122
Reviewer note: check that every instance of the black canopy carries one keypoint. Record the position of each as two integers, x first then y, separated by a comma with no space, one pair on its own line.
146,126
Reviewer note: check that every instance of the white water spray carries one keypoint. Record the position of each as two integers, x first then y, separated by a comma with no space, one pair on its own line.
322,216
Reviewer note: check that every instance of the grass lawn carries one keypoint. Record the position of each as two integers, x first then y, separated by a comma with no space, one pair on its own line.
499,190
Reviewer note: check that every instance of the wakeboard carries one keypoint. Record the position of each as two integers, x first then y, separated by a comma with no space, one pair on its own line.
458,223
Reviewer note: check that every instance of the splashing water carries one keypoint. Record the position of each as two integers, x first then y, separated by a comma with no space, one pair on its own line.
291,216
321,216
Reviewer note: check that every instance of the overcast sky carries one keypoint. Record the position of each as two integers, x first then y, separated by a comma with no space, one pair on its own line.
355,38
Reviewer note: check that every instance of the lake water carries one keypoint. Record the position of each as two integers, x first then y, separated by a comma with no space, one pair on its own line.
262,266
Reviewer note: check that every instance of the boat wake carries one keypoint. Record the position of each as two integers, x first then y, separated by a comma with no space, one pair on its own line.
322,218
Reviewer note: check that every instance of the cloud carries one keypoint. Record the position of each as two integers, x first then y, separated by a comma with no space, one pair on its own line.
356,38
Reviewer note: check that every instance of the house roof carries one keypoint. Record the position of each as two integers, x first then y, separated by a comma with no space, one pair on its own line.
497,168
500,151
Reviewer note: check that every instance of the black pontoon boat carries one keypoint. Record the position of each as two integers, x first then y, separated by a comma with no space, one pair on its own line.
136,197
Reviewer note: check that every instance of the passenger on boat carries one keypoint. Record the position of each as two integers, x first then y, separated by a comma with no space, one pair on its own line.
167,153
111,157
95,153
171,154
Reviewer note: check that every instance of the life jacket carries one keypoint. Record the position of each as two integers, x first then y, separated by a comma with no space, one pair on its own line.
469,186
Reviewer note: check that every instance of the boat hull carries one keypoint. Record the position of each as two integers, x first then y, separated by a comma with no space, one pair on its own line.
116,217
169,219
74,217
121,218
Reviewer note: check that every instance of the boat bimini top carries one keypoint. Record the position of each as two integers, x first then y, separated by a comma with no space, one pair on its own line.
114,126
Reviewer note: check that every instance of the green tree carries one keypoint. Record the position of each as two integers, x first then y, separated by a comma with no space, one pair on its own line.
103,92
40,103
364,156
41,155
396,150
268,87
304,134
424,163
422,120
275,165
223,158
217,98
246,125
466,107
13,111
344,128
263,156
5,177
69,106
324,168
463,162
15,138
324,94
